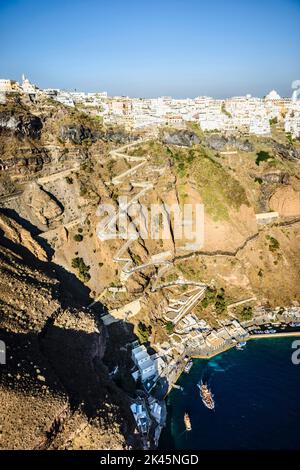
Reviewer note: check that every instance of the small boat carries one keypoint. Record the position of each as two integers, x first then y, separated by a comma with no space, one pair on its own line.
295,324
207,396
188,366
241,345
187,422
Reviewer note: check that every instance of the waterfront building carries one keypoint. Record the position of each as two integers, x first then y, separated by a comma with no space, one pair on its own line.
147,366
213,341
141,417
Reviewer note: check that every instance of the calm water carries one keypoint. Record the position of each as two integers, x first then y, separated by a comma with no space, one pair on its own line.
257,396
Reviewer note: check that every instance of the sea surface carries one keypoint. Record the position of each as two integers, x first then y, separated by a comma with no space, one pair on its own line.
257,396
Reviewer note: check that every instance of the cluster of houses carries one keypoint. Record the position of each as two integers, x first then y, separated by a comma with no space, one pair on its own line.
194,336
241,113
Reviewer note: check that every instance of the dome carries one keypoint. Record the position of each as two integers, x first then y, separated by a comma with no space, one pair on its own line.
273,95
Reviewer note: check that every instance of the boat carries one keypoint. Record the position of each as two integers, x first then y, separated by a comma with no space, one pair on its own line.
207,396
187,422
294,324
240,345
188,366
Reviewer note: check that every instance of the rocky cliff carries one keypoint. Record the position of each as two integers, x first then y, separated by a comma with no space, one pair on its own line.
54,389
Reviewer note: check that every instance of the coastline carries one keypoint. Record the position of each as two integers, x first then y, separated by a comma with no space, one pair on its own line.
253,391
230,346
250,337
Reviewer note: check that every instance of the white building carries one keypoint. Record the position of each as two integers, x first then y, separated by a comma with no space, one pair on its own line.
146,365
9,86
292,120
272,95
28,87
140,414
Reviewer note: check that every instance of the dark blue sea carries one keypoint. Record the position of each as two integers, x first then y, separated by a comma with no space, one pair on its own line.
257,396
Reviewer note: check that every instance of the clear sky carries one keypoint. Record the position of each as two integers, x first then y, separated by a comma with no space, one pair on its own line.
182,48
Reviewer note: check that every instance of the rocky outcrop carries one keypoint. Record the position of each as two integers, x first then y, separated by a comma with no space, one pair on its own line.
6,186
25,162
117,136
17,234
220,142
23,124
281,178
184,138
286,151
43,206
76,133
54,386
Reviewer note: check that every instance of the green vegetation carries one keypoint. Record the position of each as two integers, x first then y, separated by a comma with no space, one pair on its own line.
273,121
216,298
218,189
273,243
87,166
209,298
289,137
169,327
78,237
221,302
262,156
246,313
83,189
143,332
136,258
83,269
224,111
69,180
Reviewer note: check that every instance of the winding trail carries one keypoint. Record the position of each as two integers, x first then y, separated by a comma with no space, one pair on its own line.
165,258
128,267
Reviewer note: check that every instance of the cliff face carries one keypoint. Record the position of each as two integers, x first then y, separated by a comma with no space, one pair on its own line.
54,390
56,166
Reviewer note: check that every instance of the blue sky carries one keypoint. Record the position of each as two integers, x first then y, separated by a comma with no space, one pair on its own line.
148,48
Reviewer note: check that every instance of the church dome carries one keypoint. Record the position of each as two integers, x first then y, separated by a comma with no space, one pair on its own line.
273,95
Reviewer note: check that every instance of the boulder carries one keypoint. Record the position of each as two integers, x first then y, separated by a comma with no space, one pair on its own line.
184,138
220,142
286,151
76,133
25,124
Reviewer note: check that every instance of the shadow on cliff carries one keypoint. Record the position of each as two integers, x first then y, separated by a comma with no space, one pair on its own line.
71,292
66,359
64,364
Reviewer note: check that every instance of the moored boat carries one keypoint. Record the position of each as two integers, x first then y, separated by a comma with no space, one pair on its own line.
187,422
241,345
207,396
188,366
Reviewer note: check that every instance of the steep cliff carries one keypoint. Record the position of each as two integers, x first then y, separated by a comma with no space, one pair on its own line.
54,389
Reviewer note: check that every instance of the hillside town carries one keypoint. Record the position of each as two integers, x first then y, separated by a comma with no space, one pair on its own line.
240,113
156,365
